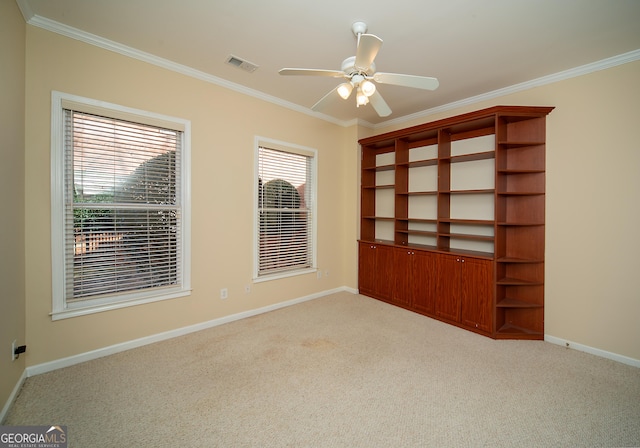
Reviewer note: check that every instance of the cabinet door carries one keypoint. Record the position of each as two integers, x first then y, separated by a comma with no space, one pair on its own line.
384,272
366,268
477,294
375,270
403,269
423,278
448,297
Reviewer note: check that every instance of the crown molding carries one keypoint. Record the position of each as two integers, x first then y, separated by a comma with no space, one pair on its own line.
603,64
106,44
92,39
25,9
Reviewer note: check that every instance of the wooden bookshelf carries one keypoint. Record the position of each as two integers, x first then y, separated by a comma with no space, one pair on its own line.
452,220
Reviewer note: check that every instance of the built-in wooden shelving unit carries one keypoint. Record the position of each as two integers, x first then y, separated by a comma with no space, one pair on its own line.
452,220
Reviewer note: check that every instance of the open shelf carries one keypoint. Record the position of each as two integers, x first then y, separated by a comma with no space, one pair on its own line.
519,171
467,236
513,330
518,260
380,168
517,282
418,220
380,218
525,224
419,163
471,157
508,145
467,221
516,303
417,193
476,191
418,232
378,187
519,193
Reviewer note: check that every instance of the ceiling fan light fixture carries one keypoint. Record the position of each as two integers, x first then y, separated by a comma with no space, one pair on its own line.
361,98
344,90
368,88
360,73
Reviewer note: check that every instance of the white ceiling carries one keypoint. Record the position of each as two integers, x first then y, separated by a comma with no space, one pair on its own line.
474,47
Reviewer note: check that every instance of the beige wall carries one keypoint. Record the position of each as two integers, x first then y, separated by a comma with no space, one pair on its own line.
224,124
592,206
592,197
12,297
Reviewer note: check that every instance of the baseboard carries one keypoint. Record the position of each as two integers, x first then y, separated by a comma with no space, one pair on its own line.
593,351
12,396
110,350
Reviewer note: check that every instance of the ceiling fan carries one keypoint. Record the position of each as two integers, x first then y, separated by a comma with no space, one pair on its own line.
360,71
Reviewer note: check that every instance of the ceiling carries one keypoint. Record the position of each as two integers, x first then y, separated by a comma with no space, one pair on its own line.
474,47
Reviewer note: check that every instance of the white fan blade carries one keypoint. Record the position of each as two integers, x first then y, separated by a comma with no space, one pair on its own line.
418,82
311,72
379,104
368,47
325,100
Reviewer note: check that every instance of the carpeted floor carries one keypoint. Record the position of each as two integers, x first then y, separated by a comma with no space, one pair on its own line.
340,371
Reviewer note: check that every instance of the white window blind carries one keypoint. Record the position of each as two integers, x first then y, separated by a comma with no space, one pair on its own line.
122,207
286,187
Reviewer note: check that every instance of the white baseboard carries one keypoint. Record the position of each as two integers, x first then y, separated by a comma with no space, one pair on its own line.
593,351
110,350
12,397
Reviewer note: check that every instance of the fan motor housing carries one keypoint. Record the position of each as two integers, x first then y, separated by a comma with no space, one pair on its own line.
349,67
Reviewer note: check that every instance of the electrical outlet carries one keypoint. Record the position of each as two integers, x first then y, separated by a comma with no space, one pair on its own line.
247,289
319,274
326,273
13,351
224,293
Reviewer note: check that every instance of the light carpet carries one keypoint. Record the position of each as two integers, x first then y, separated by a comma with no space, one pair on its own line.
340,371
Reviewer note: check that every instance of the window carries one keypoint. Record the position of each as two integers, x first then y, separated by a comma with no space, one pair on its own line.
120,206
286,210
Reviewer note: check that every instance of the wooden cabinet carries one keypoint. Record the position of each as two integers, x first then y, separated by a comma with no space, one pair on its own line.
459,204
374,270
414,279
477,294
449,283
465,291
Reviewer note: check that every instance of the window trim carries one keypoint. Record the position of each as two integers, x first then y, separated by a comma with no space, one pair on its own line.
61,309
295,149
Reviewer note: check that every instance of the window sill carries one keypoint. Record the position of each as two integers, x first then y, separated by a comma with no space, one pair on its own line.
83,309
279,275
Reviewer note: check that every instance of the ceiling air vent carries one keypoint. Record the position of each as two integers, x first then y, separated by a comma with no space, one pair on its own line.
241,63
